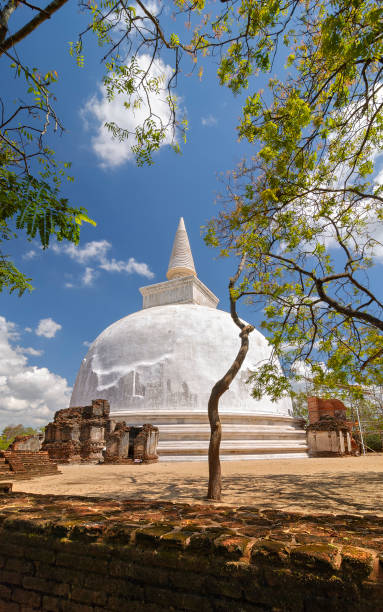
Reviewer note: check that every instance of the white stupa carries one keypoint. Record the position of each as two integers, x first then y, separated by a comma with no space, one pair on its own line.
158,366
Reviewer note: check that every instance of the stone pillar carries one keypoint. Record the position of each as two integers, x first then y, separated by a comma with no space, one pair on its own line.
145,444
348,439
118,445
341,442
92,442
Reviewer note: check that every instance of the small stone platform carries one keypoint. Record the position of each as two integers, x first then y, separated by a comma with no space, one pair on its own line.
23,465
87,555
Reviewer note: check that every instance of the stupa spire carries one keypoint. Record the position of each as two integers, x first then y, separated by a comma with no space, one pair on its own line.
181,260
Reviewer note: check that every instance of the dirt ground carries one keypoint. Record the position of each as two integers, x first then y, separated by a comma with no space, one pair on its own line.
351,484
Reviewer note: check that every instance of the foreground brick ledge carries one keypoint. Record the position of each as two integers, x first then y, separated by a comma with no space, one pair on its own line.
210,557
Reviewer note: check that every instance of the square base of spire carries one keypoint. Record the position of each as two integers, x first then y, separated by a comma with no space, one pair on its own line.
185,290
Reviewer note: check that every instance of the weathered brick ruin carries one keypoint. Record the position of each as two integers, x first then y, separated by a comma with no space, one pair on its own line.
59,553
22,465
328,431
128,444
31,443
86,434
78,434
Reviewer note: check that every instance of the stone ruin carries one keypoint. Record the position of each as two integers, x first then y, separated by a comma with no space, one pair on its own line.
24,459
30,443
128,444
86,434
78,434
328,431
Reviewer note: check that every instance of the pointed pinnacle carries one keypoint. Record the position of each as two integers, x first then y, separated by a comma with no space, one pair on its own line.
181,260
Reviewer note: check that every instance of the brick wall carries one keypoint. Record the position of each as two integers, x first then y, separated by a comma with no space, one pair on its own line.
318,407
26,464
83,555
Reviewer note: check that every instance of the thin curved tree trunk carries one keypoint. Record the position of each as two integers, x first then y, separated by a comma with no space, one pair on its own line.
222,385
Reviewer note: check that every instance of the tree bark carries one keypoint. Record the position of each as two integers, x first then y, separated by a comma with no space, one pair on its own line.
222,385
5,15
42,16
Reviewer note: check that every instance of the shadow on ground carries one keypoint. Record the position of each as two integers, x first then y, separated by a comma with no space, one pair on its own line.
351,493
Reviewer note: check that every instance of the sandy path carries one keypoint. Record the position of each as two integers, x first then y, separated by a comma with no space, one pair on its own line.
352,484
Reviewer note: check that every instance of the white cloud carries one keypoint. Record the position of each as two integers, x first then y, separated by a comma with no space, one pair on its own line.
28,329
48,328
28,394
30,254
152,6
99,111
89,276
129,266
86,343
30,351
209,121
96,249
96,252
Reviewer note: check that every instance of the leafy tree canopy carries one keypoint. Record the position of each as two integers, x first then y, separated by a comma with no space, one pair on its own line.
307,208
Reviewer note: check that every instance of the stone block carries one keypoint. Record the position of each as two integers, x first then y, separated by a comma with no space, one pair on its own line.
320,557
267,551
357,563
9,606
5,592
29,598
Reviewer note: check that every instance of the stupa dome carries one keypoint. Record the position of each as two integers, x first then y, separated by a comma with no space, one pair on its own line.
158,365
169,357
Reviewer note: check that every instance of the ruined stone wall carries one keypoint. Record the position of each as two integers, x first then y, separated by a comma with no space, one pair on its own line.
23,465
31,443
78,434
318,408
89,555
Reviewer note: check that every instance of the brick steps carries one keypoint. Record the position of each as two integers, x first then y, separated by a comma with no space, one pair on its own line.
26,464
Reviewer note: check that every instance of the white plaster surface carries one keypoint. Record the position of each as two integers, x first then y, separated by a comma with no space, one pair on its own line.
168,358
181,259
186,290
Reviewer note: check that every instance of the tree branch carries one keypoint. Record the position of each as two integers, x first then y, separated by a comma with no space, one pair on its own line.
31,25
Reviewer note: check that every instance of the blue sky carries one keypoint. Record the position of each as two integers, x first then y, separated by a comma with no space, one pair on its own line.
137,212
44,335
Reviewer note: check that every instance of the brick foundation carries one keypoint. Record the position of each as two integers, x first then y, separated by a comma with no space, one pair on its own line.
25,464
90,555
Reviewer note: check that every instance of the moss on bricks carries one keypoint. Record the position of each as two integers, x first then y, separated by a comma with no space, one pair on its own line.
269,552
320,557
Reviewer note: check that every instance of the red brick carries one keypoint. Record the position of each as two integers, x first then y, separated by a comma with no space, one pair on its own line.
93,564
9,549
51,604
70,606
9,577
38,584
5,592
86,596
9,606
19,565
60,589
40,554
29,598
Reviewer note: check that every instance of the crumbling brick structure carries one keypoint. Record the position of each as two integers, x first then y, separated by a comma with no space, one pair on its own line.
78,434
24,464
27,443
318,407
128,444
328,432
86,434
